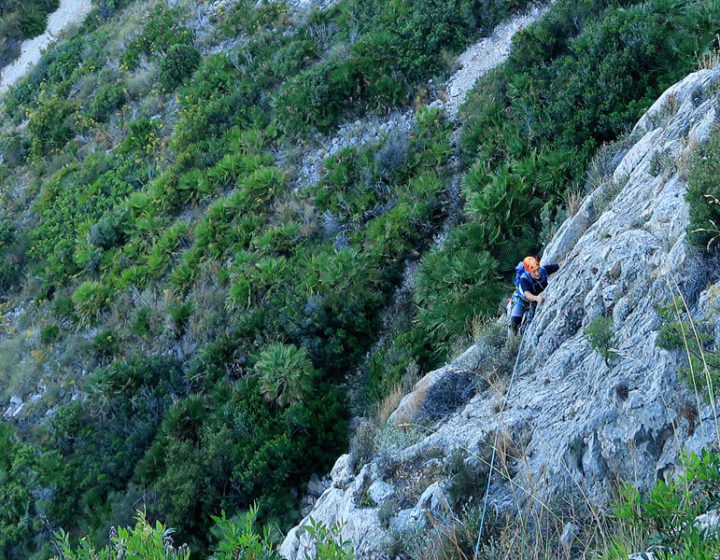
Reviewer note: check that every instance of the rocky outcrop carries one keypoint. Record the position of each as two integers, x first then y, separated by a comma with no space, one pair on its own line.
574,420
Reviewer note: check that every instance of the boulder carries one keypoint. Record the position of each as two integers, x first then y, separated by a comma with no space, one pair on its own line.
708,523
315,486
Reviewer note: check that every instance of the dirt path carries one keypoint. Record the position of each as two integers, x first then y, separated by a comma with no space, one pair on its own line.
70,12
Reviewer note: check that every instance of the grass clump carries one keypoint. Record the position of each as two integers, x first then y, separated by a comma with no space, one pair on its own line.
49,334
703,195
695,340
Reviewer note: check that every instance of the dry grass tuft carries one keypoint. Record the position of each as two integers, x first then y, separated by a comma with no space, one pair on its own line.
685,158
390,403
710,60
573,201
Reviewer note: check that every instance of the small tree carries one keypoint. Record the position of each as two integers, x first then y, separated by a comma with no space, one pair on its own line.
600,333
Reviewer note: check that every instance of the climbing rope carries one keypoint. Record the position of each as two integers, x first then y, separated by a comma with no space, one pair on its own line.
497,433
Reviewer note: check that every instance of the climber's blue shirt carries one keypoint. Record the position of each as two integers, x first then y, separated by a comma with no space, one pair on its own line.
535,287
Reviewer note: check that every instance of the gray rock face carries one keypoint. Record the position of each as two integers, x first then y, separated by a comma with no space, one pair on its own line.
316,486
573,421
708,523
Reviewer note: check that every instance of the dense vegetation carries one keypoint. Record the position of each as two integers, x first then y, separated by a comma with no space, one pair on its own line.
196,309
670,518
216,309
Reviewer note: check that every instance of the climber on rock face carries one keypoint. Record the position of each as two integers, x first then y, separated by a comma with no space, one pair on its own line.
530,281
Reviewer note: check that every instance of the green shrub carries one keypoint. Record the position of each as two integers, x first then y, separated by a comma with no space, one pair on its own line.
89,299
328,541
64,308
248,16
600,333
100,458
109,230
136,276
666,515
236,538
106,344
695,341
51,125
9,50
161,32
142,541
141,322
180,61
108,98
49,334
14,149
182,276
452,288
703,195
141,138
9,273
32,23
24,472
180,315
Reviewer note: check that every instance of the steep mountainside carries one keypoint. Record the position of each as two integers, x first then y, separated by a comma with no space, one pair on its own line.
580,419
231,231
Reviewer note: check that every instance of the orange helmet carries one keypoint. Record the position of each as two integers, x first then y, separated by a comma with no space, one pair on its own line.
530,264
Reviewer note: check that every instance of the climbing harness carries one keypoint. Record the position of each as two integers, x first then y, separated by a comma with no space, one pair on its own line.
523,328
527,317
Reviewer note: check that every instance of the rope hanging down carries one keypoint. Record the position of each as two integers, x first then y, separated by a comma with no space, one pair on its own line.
492,459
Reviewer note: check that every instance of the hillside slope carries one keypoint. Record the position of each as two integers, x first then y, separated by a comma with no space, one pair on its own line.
228,229
576,423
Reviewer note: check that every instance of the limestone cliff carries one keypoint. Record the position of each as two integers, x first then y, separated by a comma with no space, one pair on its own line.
574,421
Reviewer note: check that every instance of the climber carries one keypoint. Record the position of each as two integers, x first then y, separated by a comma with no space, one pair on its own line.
530,281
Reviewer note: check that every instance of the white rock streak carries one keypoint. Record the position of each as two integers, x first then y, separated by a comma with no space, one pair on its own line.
70,12
484,55
473,63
